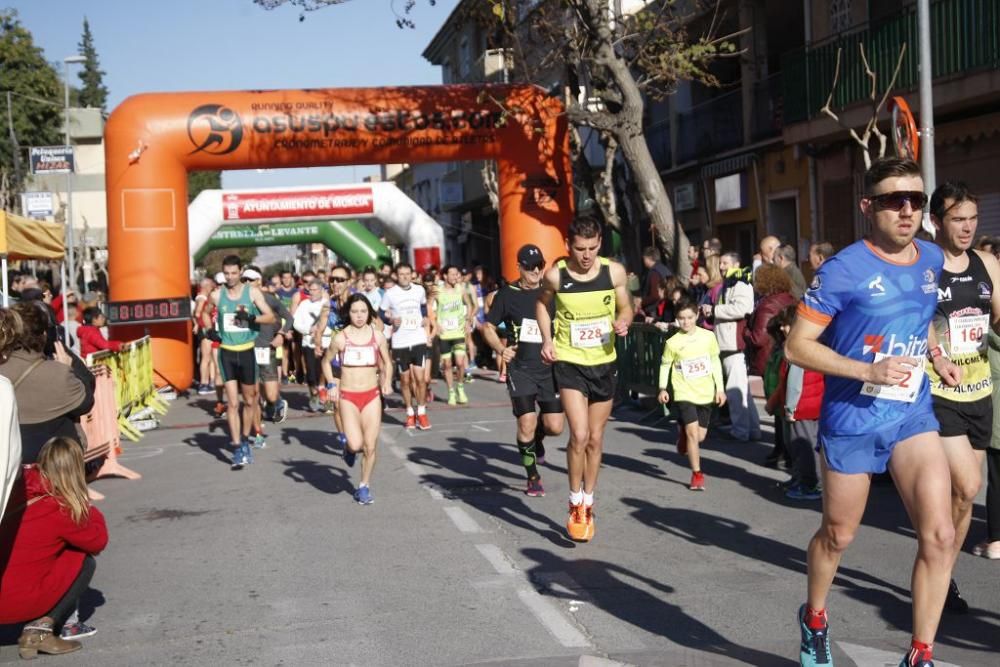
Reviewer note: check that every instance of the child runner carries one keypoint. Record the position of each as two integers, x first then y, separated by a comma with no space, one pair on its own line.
694,354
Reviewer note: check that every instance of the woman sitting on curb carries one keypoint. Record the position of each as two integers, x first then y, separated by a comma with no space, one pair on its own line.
51,538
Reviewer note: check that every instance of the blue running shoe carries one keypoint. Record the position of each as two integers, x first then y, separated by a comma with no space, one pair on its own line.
239,458
259,441
341,440
814,650
364,496
803,492
350,457
247,451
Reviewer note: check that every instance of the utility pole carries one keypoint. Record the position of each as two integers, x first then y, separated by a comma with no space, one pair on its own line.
927,167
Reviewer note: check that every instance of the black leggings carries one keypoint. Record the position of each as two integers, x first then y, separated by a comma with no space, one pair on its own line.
314,367
993,494
67,605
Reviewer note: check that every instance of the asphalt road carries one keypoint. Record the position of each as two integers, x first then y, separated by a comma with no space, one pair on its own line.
453,565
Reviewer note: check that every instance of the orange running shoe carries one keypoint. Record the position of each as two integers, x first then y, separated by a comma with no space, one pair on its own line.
220,409
697,481
576,524
411,421
588,518
422,422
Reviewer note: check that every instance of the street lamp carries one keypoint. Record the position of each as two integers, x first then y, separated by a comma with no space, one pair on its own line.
70,241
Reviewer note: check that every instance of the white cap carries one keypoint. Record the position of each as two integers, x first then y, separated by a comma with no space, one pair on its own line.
250,274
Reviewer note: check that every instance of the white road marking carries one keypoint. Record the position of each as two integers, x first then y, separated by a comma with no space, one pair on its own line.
497,558
480,428
550,617
433,490
863,656
129,454
595,661
415,468
388,439
398,452
462,520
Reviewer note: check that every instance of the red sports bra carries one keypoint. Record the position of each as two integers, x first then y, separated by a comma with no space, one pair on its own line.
364,355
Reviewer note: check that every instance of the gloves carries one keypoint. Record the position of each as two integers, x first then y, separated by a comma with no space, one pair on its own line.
244,319
213,335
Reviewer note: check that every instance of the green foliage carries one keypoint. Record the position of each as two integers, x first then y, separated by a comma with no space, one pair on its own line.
212,261
36,101
94,93
203,180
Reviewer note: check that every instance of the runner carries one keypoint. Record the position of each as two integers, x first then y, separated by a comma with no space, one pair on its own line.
286,292
405,305
968,305
309,320
241,311
694,352
864,323
365,376
592,305
370,288
203,322
268,350
451,309
529,379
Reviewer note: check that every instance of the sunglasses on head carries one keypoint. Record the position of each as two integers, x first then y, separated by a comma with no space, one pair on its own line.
895,201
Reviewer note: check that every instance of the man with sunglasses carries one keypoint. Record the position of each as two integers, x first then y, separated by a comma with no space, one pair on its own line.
529,380
865,323
592,306
968,305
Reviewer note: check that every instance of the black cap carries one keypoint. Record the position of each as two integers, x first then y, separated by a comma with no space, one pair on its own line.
530,255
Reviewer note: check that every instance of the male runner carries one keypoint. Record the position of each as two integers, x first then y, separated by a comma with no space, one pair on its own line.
241,311
451,310
286,294
864,323
405,306
968,305
270,341
370,288
529,380
592,305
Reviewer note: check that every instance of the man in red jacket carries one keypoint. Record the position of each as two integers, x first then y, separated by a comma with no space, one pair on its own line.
89,333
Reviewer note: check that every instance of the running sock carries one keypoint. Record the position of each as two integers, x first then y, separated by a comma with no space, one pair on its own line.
409,410
421,409
576,497
362,485
588,499
919,651
527,452
815,619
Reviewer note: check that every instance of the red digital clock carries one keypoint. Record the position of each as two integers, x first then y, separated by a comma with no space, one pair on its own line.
173,309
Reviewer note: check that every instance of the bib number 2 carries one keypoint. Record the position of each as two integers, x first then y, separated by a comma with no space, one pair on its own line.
906,391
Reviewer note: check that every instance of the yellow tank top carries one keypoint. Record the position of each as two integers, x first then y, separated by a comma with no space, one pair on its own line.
585,311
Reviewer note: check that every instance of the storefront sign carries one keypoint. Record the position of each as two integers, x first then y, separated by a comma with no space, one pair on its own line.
51,159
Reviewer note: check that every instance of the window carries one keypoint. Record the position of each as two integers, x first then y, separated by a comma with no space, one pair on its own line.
464,57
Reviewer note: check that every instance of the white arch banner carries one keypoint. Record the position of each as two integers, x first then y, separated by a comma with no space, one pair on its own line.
382,200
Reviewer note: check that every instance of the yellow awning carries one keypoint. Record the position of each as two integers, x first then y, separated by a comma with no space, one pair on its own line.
24,238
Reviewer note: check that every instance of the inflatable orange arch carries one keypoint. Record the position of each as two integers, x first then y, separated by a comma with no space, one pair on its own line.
152,141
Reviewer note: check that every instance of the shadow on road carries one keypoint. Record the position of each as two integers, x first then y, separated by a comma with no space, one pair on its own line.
215,442
325,478
641,601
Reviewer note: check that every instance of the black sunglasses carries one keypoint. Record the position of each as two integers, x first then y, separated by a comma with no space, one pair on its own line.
337,279
533,267
895,201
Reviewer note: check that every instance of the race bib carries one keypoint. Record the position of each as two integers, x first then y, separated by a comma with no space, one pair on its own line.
359,356
451,324
530,333
698,367
595,333
410,322
263,355
905,391
967,333
229,324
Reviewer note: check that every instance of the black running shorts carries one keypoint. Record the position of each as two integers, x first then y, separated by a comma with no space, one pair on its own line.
597,383
238,365
973,419
690,413
527,386
405,357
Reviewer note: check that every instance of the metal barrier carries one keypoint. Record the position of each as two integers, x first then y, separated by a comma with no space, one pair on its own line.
639,355
136,394
100,426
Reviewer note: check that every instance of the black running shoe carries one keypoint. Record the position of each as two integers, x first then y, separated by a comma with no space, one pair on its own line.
955,603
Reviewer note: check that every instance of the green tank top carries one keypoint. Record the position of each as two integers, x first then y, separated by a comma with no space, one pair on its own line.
585,312
235,337
451,313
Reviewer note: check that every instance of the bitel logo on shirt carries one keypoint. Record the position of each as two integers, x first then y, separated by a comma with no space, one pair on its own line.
893,347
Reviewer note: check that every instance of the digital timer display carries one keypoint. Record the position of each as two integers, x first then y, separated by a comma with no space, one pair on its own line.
149,310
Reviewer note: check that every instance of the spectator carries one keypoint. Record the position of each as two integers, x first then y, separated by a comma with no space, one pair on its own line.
656,271
729,314
663,309
52,394
91,338
774,289
819,253
692,255
10,433
785,258
711,248
778,328
52,539
768,246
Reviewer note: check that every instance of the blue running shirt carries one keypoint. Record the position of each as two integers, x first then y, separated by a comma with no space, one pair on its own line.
873,307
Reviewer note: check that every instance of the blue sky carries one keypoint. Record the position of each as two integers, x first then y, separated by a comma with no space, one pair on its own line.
157,46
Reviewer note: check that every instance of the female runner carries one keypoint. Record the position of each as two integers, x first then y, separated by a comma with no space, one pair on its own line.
365,368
